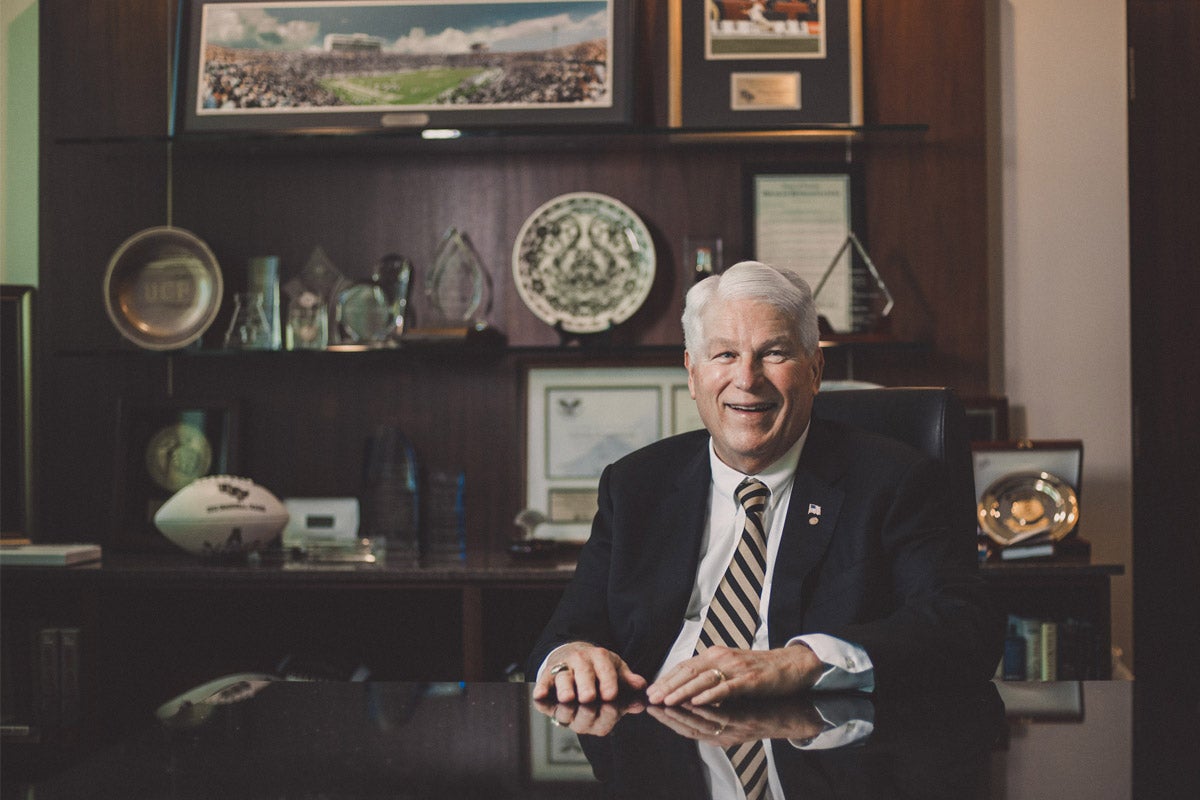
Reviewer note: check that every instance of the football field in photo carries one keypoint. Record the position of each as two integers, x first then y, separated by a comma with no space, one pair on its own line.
399,88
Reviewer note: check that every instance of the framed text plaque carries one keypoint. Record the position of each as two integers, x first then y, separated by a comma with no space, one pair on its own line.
764,63
799,219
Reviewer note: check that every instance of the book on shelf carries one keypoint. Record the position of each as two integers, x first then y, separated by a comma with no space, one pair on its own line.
49,685
1050,650
53,555
69,712
41,681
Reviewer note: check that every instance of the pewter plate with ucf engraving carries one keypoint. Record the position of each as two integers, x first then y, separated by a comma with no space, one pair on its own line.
162,289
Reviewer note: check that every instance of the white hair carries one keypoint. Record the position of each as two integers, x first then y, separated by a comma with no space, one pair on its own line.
752,280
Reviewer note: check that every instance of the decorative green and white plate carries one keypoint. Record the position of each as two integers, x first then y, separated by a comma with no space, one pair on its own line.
584,261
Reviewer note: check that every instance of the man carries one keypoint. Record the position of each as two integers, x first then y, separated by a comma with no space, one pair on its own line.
861,583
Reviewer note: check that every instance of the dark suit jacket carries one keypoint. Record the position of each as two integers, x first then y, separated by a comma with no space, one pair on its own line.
882,568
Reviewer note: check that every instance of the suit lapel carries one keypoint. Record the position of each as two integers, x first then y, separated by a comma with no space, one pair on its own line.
813,512
674,533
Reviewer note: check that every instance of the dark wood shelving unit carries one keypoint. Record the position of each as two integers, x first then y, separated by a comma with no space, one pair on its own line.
110,165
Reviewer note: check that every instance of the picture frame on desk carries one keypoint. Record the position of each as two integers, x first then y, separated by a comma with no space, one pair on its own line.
755,64
16,411
987,418
374,65
580,419
161,447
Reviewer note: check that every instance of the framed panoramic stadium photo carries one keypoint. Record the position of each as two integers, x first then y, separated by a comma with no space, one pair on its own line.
354,65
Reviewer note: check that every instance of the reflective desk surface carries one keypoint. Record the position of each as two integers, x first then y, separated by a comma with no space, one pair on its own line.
489,740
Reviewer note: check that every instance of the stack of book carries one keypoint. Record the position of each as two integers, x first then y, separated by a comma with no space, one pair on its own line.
41,680
1050,650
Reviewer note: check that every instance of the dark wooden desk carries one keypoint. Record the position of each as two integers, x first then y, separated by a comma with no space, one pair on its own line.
486,740
153,626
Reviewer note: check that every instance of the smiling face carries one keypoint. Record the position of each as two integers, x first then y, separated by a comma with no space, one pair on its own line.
752,382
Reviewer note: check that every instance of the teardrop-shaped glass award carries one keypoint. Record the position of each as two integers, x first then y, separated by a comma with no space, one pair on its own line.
458,287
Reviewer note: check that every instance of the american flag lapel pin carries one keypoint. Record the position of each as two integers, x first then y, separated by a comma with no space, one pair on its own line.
814,513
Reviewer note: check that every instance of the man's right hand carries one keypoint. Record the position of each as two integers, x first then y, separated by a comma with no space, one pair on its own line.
581,672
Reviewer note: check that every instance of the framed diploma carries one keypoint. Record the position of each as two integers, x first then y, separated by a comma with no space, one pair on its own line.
764,63
581,419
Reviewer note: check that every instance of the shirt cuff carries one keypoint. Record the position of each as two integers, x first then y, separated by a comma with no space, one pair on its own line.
848,720
848,667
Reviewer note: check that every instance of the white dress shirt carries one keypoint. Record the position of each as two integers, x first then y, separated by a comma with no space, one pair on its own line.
848,666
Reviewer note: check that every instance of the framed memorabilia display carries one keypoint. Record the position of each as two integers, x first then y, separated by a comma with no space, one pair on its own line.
346,65
764,63
800,220
16,411
579,420
554,751
160,449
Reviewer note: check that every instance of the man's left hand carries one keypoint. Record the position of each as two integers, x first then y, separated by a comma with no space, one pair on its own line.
595,719
720,673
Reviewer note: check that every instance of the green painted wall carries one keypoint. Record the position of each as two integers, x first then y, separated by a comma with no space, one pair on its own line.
19,142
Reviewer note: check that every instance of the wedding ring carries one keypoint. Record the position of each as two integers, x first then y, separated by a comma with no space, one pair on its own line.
720,676
561,666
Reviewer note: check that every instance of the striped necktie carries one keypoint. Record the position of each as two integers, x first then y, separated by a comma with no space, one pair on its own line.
733,614
733,618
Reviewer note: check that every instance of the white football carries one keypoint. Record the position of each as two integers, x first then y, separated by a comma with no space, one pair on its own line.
221,515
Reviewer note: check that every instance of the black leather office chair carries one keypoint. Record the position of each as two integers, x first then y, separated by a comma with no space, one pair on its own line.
930,419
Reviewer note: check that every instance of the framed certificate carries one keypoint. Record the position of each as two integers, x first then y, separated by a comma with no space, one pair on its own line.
581,419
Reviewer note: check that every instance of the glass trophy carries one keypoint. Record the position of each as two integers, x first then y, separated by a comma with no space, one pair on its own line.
249,328
307,323
457,288
394,277
869,300
445,520
262,275
363,316
391,488
324,280
373,312
702,256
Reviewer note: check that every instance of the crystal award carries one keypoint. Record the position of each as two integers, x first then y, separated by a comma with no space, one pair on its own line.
870,300
457,287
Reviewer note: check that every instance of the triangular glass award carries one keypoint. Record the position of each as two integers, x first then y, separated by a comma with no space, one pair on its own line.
867,305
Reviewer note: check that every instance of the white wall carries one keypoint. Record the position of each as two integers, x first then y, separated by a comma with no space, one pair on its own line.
18,141
1066,253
